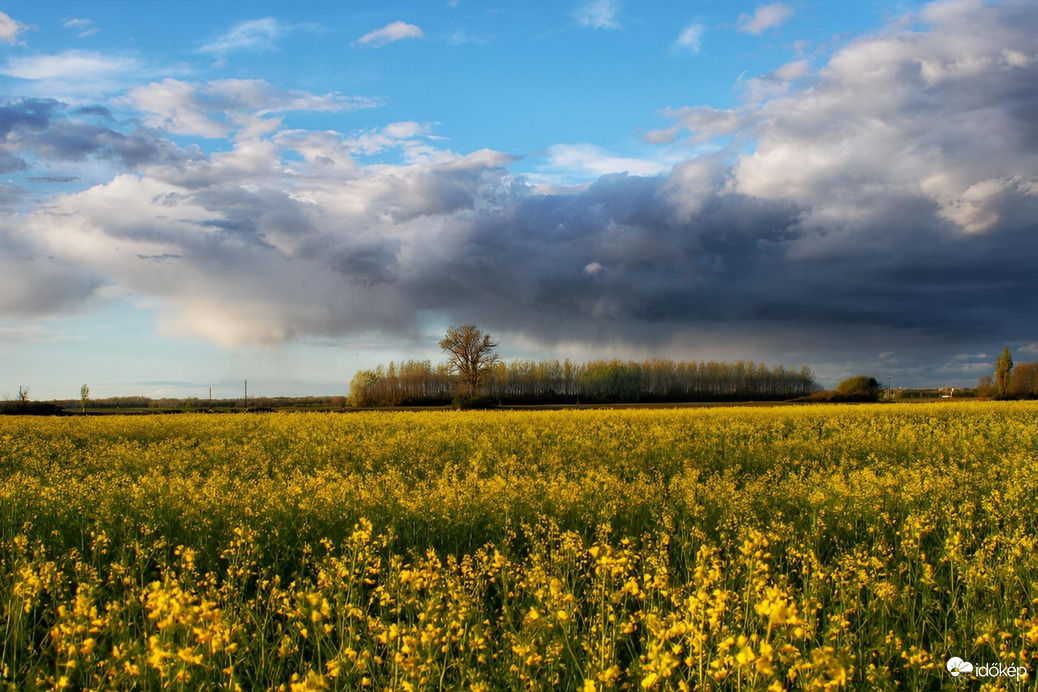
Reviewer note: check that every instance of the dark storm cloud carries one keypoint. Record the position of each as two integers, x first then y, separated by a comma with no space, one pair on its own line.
531,260
11,164
32,115
46,129
100,111
10,194
56,179
69,140
158,258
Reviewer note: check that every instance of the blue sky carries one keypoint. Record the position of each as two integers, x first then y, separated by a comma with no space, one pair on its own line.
195,194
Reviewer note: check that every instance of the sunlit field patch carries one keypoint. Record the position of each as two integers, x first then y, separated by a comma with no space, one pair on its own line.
790,548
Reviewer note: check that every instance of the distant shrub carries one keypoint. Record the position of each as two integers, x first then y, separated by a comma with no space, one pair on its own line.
465,403
30,408
860,388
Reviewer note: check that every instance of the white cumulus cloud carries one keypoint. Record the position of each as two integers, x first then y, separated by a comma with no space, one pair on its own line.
764,18
252,34
598,14
218,108
691,38
10,28
84,27
394,31
67,65
776,82
588,159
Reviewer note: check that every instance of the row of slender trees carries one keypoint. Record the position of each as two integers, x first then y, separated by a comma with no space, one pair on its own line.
1011,381
600,381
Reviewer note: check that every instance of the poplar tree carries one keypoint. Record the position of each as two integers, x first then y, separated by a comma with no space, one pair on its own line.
1003,372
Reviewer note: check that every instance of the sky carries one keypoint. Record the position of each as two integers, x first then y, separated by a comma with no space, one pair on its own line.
192,195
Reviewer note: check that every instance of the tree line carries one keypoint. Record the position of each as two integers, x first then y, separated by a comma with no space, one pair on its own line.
1019,381
419,383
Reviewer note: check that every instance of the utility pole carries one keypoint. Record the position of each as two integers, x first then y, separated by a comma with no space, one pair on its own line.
246,395
210,398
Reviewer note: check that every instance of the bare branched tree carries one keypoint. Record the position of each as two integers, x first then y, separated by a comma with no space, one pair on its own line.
471,355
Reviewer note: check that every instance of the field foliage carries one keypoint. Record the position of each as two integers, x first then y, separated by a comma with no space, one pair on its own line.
815,547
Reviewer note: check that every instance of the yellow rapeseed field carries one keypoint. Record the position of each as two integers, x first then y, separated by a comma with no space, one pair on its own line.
806,548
